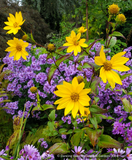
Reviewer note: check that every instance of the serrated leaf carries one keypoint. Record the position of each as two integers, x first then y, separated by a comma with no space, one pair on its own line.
105,141
59,148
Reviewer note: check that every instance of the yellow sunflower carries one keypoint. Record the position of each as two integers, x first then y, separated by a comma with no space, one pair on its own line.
82,29
74,97
117,63
113,9
74,43
14,23
17,48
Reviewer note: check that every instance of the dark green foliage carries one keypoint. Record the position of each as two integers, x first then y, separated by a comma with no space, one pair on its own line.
6,128
52,11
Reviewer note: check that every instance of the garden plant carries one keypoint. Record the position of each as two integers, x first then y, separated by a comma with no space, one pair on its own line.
71,102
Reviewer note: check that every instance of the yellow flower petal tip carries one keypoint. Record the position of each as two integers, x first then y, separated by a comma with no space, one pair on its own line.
14,23
107,72
82,29
74,43
17,48
73,97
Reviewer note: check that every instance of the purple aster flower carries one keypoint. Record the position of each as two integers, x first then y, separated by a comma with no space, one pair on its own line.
64,119
78,152
41,140
119,152
30,152
47,156
128,155
44,144
63,136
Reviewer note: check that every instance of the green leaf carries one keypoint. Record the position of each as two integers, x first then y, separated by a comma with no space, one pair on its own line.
96,109
86,65
127,105
94,122
96,99
125,75
112,42
43,107
70,131
75,139
93,135
62,130
95,83
51,125
52,115
47,106
59,148
129,93
117,34
105,141
130,118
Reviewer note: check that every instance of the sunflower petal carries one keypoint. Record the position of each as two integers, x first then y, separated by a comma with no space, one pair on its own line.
75,109
120,68
103,75
69,107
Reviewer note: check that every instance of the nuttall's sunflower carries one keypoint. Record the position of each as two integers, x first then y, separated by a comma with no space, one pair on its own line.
117,63
14,23
74,43
74,97
82,29
17,48
113,9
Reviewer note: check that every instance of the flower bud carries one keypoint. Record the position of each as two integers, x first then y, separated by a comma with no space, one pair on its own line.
80,79
51,47
113,9
120,18
25,37
33,89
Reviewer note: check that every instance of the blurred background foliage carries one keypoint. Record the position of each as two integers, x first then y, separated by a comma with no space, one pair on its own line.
65,15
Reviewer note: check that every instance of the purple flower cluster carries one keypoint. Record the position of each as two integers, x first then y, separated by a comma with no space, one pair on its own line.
120,154
66,119
43,143
30,152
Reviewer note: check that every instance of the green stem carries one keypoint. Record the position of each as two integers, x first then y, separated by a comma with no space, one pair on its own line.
21,133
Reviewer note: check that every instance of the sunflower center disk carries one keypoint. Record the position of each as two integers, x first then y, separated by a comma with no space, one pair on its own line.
19,48
75,42
15,25
107,66
75,96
